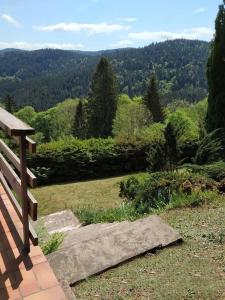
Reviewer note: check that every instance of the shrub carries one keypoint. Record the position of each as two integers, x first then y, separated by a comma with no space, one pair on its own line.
129,188
215,170
156,154
184,127
210,148
197,198
186,134
171,146
153,133
157,189
72,159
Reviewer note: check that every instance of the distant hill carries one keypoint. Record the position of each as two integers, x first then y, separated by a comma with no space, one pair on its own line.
43,78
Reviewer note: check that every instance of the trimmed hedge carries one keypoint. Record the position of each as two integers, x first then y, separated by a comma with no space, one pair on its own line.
73,159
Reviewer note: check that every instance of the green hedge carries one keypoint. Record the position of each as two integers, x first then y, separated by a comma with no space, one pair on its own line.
72,159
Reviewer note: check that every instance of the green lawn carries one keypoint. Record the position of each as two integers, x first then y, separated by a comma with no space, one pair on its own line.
95,194
193,270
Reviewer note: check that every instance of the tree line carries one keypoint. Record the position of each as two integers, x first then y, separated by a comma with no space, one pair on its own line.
95,117
44,78
100,114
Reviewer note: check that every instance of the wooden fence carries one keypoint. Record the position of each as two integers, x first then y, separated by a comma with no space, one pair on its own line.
15,177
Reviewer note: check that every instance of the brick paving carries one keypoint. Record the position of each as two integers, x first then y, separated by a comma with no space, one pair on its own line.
22,277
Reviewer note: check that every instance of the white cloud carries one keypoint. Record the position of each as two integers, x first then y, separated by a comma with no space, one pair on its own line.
10,20
199,10
35,46
90,28
128,19
122,44
204,33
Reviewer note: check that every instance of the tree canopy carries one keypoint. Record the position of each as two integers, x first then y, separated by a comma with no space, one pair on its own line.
216,75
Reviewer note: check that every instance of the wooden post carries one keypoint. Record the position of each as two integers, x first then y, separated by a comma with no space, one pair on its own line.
24,197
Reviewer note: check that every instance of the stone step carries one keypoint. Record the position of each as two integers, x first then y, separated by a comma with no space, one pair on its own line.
92,249
89,232
63,221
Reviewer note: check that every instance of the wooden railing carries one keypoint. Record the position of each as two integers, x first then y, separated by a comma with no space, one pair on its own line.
15,176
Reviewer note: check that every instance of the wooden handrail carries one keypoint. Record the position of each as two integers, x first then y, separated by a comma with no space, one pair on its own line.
32,180
15,183
30,144
18,180
12,125
17,208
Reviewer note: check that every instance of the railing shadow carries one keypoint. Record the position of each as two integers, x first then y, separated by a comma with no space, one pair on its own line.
11,249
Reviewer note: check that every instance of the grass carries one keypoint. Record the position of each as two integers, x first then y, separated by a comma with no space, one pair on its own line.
91,195
193,270
110,215
48,243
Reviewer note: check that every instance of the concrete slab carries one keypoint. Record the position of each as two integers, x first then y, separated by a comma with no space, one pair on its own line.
92,249
63,221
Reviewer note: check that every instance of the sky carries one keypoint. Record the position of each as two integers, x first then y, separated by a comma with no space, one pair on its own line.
103,24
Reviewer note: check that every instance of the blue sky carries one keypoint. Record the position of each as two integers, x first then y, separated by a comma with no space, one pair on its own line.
102,24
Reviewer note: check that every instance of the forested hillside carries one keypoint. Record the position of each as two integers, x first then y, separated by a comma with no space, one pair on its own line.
45,77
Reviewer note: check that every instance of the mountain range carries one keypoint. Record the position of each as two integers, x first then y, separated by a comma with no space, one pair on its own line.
42,78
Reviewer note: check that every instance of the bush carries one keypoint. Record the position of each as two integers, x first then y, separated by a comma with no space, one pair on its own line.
153,133
210,148
186,134
130,187
157,189
156,154
184,127
197,198
72,159
215,170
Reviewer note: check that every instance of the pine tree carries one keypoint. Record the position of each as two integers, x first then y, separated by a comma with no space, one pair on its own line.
9,104
152,100
216,75
79,126
102,101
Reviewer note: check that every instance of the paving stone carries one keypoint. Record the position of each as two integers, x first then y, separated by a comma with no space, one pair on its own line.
63,221
22,276
92,249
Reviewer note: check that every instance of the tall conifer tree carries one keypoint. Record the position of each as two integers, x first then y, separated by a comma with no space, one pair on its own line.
152,100
216,75
79,125
102,101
